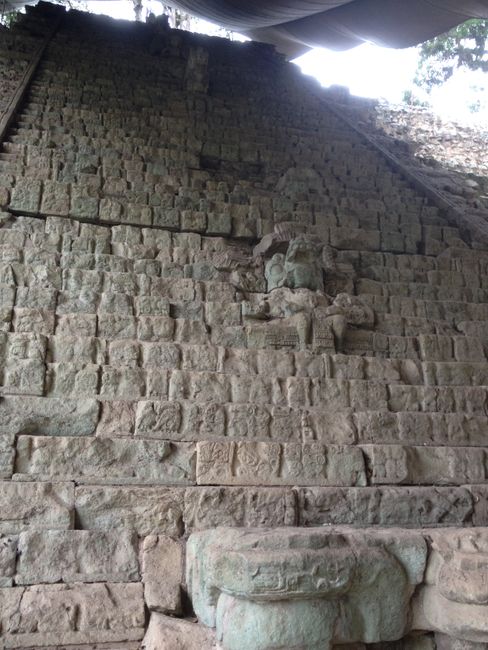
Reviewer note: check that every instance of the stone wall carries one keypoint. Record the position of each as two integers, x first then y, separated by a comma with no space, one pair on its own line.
220,306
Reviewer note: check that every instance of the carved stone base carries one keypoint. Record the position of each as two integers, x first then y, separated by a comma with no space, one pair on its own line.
301,588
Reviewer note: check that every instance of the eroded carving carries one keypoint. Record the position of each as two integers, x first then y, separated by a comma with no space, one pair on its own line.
294,587
454,599
301,318
299,268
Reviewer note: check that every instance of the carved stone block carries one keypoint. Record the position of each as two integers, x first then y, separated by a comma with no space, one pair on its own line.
26,196
76,556
162,573
167,633
395,464
414,507
8,557
39,506
45,615
147,510
208,507
51,417
105,459
293,587
267,463
454,599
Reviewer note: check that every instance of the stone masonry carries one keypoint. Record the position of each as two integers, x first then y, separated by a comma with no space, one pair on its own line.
244,362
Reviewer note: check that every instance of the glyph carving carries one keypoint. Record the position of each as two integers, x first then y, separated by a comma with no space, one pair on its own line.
303,588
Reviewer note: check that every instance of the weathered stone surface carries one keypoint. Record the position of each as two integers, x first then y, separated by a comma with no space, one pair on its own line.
77,556
51,417
454,598
480,499
44,615
8,551
444,642
293,587
116,419
248,463
170,328
105,460
208,507
7,455
146,510
162,573
396,464
119,645
411,642
24,377
432,611
414,507
38,506
26,196
165,633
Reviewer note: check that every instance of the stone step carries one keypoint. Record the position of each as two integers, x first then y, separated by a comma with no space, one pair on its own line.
421,291
391,263
28,196
196,322
174,511
452,311
147,510
69,344
128,353
122,461
181,420
100,557
132,242
32,376
443,277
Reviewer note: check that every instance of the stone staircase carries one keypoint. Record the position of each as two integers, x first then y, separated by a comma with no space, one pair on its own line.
143,397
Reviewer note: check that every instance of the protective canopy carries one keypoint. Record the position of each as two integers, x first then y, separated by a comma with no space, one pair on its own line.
294,26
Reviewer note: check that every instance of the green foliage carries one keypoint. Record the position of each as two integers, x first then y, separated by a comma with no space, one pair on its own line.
9,18
410,98
465,46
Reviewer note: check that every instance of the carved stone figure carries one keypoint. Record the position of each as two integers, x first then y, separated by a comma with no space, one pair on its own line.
275,272
307,318
299,268
303,269
346,310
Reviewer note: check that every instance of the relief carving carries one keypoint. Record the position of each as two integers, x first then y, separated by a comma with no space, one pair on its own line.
454,598
303,587
299,268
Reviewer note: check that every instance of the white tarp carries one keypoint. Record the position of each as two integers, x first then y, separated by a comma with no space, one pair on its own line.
296,25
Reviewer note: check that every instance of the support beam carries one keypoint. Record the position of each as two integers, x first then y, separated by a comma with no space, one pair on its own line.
8,114
470,223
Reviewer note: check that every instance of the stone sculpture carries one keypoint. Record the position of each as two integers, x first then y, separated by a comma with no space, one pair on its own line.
299,268
318,320
454,598
295,588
